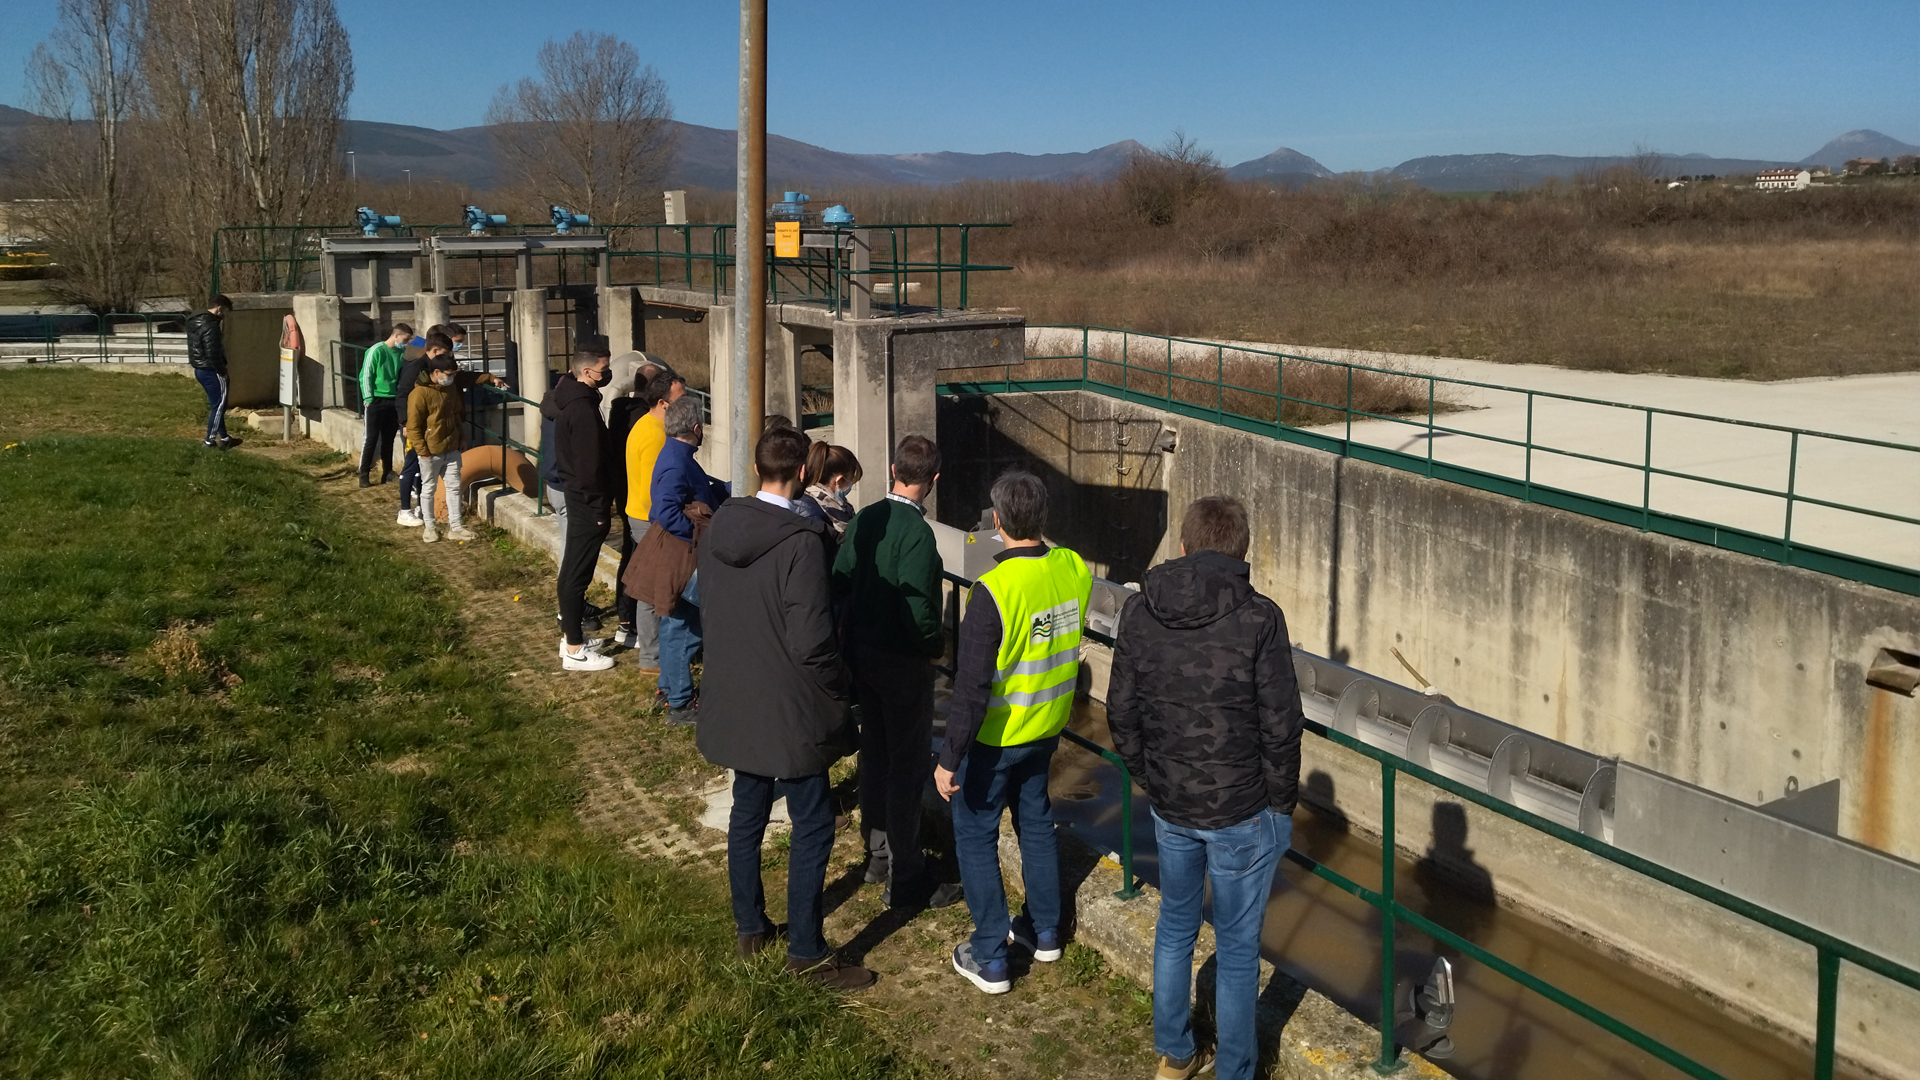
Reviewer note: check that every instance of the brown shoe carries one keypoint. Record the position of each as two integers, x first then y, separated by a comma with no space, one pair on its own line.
751,944
830,972
1170,1069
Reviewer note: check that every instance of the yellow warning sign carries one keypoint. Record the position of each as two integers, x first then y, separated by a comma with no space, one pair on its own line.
786,239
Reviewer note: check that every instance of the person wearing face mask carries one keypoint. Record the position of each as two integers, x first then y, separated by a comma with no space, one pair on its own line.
436,415
441,338
888,571
832,472
581,452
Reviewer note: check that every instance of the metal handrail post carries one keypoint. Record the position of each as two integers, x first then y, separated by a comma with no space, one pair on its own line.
1389,1060
1129,885
1793,468
1829,1015
1529,447
1646,477
1429,425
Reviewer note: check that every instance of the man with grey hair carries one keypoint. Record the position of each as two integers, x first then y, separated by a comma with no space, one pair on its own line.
679,483
1014,674
582,456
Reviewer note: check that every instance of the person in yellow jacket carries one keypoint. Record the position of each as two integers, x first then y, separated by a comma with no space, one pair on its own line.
1015,669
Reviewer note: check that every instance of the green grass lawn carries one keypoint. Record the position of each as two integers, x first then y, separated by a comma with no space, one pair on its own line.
263,816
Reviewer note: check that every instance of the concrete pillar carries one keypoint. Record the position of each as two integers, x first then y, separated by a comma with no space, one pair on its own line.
319,317
530,339
862,403
783,371
715,454
622,316
915,371
429,309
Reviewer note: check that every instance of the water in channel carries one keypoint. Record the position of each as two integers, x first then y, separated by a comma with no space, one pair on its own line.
1329,940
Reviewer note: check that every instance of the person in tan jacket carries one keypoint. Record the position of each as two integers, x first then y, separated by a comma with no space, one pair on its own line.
436,414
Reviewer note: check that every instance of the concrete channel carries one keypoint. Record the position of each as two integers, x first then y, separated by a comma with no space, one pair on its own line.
1329,941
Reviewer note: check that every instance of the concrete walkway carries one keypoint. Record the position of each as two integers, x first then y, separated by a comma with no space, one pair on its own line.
1615,426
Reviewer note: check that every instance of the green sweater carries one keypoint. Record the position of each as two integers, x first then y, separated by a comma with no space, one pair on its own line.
380,371
889,571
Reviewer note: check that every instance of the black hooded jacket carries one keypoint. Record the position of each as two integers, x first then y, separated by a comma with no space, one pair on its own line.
582,451
775,699
206,348
1203,704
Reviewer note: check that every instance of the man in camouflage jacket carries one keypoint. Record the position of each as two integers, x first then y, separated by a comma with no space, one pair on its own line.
1205,711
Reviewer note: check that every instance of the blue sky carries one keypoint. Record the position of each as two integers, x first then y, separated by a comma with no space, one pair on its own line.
1360,85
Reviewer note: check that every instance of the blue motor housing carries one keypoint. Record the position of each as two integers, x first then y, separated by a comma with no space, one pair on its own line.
479,221
792,208
564,220
836,215
371,222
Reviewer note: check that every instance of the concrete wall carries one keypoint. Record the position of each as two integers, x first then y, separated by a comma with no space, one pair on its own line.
1739,675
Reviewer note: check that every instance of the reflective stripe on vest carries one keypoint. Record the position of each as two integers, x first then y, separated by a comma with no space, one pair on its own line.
1043,606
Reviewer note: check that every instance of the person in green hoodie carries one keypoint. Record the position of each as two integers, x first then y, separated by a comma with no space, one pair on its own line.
888,569
379,386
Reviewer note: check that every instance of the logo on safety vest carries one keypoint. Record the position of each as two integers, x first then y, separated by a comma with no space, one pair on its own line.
1059,619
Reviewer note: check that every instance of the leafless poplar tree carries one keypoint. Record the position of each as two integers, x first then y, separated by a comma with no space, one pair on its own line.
95,213
247,97
593,133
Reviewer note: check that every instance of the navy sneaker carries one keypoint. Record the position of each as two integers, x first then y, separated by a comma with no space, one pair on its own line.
990,978
1045,948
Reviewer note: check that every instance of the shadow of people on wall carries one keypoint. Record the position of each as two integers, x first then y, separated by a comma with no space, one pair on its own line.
1456,891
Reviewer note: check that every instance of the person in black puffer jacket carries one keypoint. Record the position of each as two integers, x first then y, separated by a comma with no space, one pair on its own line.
207,356
1205,711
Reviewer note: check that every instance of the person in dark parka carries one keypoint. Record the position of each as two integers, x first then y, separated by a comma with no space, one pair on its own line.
777,700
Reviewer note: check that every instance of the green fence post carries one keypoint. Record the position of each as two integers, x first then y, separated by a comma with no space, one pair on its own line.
1085,363
1430,382
1793,467
1829,1016
1646,477
1389,1060
1219,382
1348,449
963,266
1529,447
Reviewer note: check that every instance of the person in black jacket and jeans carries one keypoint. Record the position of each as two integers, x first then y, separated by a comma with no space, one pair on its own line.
1205,711
777,706
582,454
207,356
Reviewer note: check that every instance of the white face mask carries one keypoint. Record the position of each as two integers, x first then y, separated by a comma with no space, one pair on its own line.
443,378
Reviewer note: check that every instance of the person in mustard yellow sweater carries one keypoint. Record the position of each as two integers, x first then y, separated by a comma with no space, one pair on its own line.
639,624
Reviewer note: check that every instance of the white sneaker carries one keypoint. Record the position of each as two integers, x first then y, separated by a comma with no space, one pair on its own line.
430,534
592,644
625,637
460,532
408,518
584,660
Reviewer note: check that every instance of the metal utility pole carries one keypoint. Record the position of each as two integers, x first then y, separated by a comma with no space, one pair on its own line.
749,405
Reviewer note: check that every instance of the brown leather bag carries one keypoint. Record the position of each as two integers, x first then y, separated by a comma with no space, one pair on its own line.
662,563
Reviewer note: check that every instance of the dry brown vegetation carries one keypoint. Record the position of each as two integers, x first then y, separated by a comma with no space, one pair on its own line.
1614,272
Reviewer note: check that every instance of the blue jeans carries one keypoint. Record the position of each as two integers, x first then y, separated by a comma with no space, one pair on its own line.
1240,861
215,384
992,779
679,640
810,806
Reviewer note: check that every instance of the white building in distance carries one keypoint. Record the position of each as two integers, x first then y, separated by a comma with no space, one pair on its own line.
1782,180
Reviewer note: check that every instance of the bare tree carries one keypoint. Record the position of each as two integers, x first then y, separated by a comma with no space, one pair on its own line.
1160,184
95,211
247,97
594,133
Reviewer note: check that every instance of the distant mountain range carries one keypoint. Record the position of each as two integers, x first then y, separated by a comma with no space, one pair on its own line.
706,159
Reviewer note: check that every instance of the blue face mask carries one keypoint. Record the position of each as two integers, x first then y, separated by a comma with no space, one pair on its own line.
459,346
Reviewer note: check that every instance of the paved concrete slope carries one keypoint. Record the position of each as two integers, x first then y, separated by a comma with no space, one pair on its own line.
1498,405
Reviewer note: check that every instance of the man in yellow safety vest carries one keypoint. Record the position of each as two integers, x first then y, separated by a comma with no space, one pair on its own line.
1016,666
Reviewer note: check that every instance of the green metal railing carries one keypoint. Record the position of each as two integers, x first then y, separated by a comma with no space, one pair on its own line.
697,257
56,334
343,371
1830,951
497,401
1174,375
701,258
